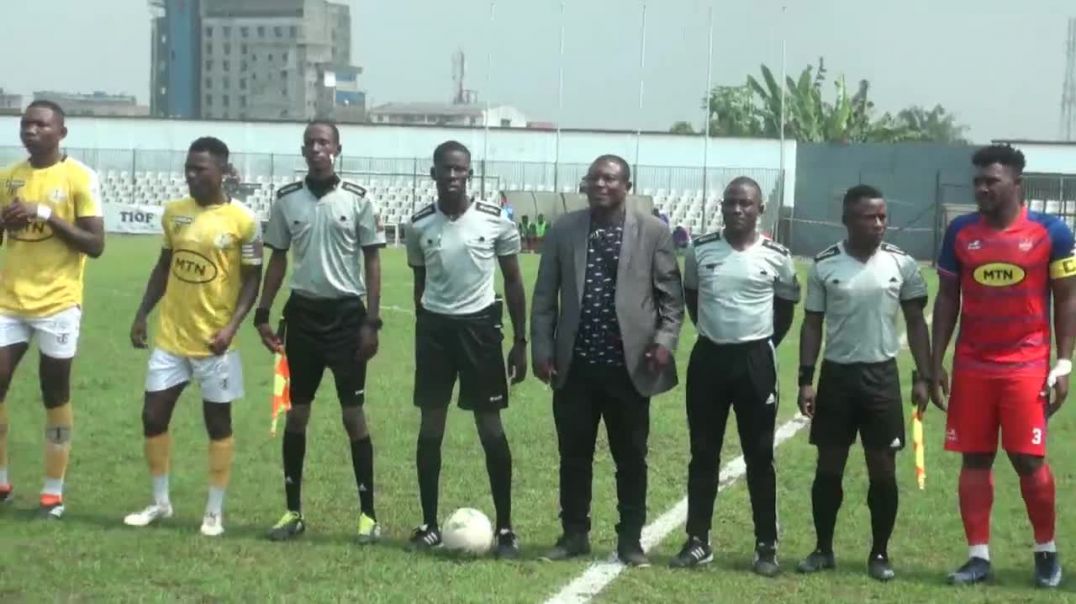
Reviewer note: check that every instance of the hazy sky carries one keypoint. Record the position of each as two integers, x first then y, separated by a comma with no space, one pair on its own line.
997,64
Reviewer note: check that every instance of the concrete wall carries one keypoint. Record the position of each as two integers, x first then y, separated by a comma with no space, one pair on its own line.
401,142
915,179
1049,158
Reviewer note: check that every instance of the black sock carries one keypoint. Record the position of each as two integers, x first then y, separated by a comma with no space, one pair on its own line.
882,500
362,460
826,496
499,468
428,462
294,452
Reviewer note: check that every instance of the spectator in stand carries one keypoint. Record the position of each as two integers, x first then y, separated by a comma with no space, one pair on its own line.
681,237
540,228
524,233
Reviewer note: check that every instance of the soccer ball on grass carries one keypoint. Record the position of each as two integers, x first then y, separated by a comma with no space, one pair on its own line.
468,531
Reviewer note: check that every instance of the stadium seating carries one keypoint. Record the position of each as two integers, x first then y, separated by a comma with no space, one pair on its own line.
398,196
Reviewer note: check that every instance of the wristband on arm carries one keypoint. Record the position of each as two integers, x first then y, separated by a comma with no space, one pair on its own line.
1061,368
261,316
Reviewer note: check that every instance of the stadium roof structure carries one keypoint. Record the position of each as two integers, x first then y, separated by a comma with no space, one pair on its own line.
471,110
1022,141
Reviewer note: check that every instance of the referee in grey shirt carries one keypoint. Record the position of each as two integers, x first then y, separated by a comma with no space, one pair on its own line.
741,289
331,227
857,288
454,247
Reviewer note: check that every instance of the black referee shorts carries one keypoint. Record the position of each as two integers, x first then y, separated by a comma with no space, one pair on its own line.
467,346
859,397
325,333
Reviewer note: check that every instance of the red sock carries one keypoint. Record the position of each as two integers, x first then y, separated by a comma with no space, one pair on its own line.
1038,491
976,499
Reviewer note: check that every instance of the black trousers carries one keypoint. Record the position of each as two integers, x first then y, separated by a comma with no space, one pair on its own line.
590,394
743,378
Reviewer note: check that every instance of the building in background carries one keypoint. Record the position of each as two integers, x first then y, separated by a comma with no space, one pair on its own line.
448,114
276,59
10,102
175,50
95,103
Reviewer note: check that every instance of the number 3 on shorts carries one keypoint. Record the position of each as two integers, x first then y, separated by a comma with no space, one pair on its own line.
1036,436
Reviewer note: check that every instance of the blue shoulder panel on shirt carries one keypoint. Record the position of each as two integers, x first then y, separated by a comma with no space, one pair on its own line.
1062,244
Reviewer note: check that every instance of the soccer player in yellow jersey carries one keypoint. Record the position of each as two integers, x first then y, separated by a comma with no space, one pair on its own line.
207,276
50,219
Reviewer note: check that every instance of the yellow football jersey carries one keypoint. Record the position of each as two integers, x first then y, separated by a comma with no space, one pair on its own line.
42,275
209,246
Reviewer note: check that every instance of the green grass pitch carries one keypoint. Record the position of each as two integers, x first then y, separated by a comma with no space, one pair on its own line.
92,556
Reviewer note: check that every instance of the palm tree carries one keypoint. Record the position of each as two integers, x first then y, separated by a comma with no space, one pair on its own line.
934,125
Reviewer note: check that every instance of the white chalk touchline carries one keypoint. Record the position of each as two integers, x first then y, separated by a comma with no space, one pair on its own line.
398,309
600,574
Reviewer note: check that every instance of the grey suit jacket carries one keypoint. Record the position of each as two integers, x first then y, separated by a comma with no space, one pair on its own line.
649,296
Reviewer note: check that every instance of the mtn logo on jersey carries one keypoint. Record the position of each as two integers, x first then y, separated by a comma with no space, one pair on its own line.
998,274
33,232
193,267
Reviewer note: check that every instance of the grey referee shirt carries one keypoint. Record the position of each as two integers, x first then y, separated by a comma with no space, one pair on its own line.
861,301
460,255
736,288
326,236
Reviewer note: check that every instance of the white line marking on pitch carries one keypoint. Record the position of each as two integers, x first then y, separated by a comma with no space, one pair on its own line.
599,575
398,309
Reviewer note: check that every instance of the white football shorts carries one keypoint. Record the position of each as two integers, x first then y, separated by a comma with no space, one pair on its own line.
57,334
220,377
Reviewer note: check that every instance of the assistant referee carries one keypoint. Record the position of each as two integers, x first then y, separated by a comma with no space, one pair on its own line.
741,290
857,287
332,228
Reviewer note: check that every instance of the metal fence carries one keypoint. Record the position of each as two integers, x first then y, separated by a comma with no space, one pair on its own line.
152,176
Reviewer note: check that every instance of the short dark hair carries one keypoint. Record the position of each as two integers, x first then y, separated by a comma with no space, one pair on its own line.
331,125
212,146
448,147
1006,155
51,106
859,192
746,181
625,167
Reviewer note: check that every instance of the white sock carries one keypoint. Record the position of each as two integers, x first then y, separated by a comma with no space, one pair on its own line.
53,486
3,478
215,502
1046,547
160,490
979,551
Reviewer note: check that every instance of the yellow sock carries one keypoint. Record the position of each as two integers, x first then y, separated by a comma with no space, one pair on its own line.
3,444
159,454
221,453
58,425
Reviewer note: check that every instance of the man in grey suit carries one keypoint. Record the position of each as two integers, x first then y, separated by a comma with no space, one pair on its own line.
607,310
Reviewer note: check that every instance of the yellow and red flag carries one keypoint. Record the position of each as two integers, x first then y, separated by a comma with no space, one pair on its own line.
917,446
281,383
